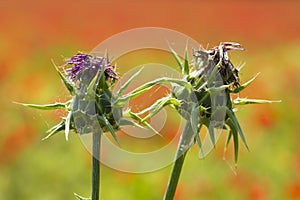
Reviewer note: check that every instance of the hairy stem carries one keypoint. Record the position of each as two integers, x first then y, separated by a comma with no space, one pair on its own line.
96,166
183,147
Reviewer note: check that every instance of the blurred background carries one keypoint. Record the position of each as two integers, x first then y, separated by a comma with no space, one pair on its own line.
34,32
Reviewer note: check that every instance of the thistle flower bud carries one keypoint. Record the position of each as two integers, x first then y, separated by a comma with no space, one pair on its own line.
85,67
213,78
92,77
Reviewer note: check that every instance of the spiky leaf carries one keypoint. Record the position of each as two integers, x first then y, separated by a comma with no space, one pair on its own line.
109,126
67,83
243,86
80,197
178,60
127,83
67,125
139,119
147,86
55,129
126,122
186,66
237,126
158,105
53,106
245,101
233,133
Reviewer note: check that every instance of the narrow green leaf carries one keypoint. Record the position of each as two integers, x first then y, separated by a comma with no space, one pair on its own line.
228,140
55,129
194,119
136,117
178,60
164,80
237,126
212,76
203,99
67,83
80,197
158,105
212,134
53,106
233,132
91,88
147,86
126,122
196,127
243,86
199,140
245,101
127,83
186,63
67,125
123,100
109,126
218,89
236,147
199,84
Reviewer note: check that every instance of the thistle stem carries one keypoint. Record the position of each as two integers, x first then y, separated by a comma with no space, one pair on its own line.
183,147
96,166
174,178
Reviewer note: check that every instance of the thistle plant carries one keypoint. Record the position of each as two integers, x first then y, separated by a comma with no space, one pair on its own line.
93,108
204,99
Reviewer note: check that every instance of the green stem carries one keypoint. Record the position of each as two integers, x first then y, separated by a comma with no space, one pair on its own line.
96,166
183,147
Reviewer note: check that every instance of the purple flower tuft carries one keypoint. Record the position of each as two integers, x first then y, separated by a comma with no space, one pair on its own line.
85,66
